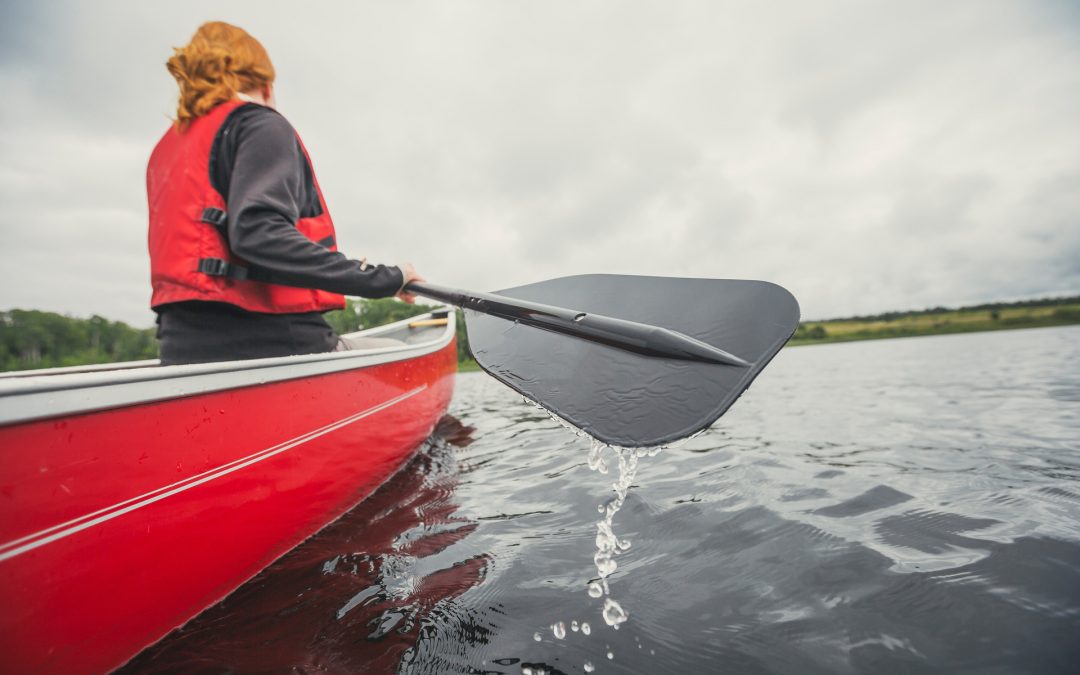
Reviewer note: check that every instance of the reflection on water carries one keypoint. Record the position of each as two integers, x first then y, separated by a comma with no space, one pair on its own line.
892,506
358,596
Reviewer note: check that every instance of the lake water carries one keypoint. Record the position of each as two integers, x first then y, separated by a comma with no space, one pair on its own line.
876,507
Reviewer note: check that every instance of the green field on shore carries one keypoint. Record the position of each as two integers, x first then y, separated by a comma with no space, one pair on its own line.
468,366
941,321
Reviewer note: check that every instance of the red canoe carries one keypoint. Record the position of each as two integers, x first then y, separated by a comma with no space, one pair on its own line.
133,496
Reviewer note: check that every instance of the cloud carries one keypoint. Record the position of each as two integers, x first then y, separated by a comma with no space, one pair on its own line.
867,155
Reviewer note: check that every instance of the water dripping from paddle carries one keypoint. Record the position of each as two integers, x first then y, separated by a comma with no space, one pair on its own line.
608,544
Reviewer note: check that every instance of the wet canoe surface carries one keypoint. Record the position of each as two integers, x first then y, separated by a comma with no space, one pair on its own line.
890,506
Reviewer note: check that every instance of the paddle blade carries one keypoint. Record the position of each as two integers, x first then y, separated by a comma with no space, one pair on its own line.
625,398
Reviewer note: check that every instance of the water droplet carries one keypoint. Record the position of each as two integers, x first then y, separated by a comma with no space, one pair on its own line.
614,614
589,667
525,670
585,628
604,565
597,462
574,626
610,655
536,636
559,630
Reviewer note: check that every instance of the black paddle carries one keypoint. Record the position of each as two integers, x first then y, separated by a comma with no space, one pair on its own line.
637,361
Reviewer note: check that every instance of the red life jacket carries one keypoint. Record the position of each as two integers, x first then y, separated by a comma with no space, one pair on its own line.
189,251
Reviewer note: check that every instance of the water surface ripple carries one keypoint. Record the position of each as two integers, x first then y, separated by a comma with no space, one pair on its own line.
892,506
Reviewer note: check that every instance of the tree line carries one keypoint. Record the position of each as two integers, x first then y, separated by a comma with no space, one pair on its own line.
31,339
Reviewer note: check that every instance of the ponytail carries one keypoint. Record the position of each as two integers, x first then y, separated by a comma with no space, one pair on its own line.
220,61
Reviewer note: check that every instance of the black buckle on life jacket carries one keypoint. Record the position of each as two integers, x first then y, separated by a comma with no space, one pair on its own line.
326,242
215,217
217,267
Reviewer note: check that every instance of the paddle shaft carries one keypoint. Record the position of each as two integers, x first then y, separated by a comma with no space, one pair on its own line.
621,333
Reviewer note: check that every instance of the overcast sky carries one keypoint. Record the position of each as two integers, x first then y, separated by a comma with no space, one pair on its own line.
866,155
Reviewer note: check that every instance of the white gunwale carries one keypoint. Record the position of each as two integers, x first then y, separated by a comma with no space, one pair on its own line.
40,394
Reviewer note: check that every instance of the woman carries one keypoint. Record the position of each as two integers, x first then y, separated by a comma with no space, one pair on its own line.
243,256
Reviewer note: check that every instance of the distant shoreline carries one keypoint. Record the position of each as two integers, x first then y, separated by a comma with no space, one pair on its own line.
471,366
32,339
1035,314
920,323
840,340
468,366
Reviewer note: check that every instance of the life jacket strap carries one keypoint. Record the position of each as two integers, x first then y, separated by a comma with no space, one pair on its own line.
215,217
217,267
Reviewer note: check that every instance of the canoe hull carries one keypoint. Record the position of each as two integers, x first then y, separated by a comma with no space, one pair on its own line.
118,526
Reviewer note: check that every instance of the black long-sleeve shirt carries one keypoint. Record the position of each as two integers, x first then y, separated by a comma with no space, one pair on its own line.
258,166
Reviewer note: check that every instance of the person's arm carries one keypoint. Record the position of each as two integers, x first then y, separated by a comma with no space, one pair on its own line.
267,192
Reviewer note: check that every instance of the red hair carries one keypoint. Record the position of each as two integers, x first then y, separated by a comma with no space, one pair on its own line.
220,61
